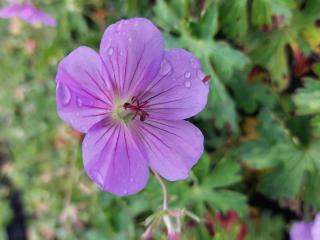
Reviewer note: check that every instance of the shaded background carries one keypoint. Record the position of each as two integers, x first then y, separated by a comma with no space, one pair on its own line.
260,170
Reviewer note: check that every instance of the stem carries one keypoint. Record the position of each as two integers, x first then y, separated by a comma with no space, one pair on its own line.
164,190
166,218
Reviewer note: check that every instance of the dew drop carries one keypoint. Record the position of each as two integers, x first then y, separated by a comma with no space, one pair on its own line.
64,93
121,52
79,102
187,84
131,179
187,74
125,191
165,67
193,63
110,51
99,179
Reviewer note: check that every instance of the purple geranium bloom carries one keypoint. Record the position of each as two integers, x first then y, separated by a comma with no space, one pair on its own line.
27,12
306,231
130,100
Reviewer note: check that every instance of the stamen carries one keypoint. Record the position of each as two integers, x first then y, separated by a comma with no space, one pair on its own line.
206,79
137,108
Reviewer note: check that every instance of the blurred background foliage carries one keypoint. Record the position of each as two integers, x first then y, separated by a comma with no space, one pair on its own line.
260,171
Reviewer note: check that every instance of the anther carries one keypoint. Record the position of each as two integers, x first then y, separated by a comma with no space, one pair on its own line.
206,79
137,108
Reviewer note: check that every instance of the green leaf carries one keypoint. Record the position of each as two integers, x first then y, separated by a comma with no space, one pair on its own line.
270,52
234,18
250,95
316,69
224,200
307,99
208,25
226,60
166,17
225,174
264,10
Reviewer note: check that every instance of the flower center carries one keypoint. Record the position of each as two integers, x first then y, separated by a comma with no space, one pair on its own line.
129,110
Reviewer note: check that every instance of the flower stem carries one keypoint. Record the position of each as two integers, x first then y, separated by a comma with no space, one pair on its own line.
165,206
164,190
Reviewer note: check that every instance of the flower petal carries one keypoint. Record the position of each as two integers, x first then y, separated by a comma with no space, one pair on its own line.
315,229
28,13
300,230
132,51
113,159
173,147
178,91
82,94
32,15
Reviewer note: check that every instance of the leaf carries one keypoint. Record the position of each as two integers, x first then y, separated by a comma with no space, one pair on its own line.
250,95
310,191
270,53
316,69
265,11
226,173
166,17
226,60
224,200
234,18
311,35
208,25
307,99
284,160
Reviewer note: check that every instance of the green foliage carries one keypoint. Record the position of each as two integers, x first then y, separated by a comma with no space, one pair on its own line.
261,124
307,99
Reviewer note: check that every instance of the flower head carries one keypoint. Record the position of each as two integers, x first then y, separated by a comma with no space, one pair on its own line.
27,12
306,230
130,99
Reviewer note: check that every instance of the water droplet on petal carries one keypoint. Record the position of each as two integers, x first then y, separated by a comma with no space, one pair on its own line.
99,179
64,93
110,51
187,84
79,102
165,67
121,52
125,191
131,179
194,63
187,74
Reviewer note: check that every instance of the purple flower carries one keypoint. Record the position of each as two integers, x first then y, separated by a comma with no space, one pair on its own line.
27,12
306,231
130,100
